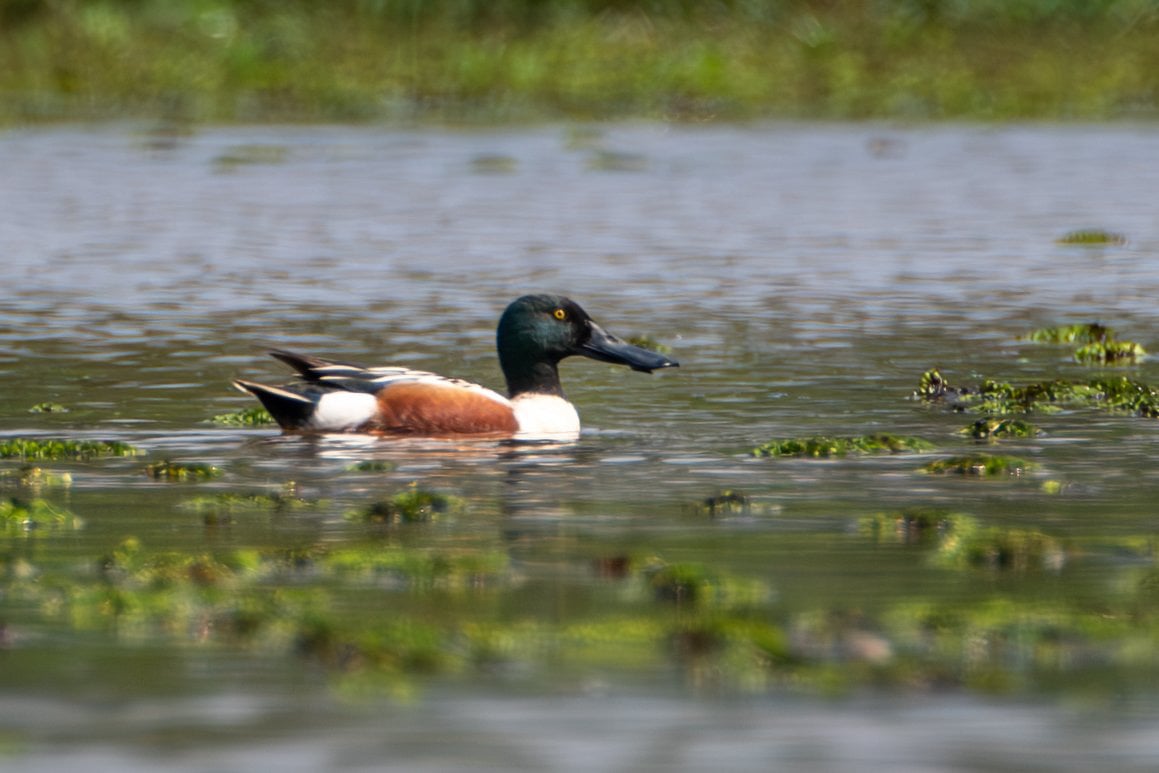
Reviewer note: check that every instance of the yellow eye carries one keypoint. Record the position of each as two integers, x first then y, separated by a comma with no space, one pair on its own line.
559,314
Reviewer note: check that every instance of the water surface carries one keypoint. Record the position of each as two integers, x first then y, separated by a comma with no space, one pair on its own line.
804,276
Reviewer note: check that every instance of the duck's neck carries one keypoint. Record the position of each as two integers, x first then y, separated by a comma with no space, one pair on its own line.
539,378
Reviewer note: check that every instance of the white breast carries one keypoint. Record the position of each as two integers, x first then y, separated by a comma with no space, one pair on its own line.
545,416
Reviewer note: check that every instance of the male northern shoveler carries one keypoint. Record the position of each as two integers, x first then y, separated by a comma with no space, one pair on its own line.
535,333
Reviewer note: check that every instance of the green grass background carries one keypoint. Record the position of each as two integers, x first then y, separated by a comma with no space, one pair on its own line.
483,61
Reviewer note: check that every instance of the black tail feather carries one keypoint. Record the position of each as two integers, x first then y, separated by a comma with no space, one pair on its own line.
308,367
289,409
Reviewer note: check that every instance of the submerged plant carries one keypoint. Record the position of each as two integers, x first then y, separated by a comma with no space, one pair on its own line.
46,449
819,446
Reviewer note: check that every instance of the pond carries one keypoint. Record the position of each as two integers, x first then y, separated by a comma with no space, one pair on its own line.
653,595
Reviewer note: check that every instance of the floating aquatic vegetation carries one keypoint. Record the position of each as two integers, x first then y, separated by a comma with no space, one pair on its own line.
249,417
820,446
1089,332
44,449
1110,353
933,386
1124,394
993,397
48,408
415,505
18,516
167,470
983,465
1002,398
998,428
1092,237
1100,344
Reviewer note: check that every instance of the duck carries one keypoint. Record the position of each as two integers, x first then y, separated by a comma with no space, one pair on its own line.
535,333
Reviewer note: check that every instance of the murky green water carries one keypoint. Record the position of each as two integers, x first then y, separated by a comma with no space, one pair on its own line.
578,606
